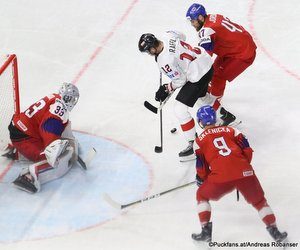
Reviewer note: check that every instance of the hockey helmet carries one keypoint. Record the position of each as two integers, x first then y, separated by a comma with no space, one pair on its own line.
147,41
69,94
206,116
195,10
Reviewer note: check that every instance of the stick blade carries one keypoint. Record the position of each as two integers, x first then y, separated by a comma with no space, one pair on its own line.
112,202
81,162
149,106
90,156
158,149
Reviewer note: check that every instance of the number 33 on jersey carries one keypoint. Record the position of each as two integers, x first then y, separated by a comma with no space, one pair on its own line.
47,118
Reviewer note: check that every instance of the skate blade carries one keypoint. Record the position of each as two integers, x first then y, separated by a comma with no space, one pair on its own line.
202,244
235,123
19,185
187,158
23,189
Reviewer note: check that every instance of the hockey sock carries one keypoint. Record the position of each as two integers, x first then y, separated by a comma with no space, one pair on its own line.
189,130
265,213
204,212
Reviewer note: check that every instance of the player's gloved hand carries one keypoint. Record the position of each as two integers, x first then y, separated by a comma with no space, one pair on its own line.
199,180
162,93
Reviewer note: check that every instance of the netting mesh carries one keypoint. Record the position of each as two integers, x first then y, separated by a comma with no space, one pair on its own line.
7,106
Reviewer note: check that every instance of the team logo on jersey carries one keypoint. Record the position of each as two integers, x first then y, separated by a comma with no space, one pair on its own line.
173,75
22,125
213,18
205,40
248,173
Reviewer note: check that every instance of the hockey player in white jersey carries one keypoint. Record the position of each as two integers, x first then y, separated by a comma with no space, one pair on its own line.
189,69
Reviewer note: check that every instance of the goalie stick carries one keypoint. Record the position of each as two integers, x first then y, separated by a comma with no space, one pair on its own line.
84,163
119,206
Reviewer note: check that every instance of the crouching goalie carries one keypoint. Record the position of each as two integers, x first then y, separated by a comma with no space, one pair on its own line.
43,134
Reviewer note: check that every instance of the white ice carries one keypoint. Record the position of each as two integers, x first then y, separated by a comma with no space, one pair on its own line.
95,44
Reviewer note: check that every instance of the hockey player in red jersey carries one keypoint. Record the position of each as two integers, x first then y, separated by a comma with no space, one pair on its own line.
233,45
43,135
223,165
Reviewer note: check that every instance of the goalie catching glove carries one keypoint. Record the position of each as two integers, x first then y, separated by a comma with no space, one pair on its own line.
163,92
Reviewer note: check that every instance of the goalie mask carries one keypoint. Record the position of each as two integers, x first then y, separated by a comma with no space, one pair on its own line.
69,94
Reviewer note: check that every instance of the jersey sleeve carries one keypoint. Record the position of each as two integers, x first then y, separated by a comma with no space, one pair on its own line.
206,36
243,143
202,167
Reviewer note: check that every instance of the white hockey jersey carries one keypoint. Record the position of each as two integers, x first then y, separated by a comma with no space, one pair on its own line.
180,61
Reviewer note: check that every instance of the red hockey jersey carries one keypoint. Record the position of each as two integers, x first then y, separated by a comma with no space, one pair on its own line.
223,154
226,39
46,119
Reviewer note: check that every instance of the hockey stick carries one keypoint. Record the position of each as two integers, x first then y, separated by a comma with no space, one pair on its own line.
85,163
159,149
154,109
237,195
117,205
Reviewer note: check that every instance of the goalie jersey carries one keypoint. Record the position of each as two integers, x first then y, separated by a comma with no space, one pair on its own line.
46,119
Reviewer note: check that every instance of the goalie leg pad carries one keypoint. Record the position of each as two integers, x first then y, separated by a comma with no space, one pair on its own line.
54,150
62,165
28,180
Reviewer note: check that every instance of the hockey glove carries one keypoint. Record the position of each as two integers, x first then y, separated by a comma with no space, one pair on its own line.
199,180
162,93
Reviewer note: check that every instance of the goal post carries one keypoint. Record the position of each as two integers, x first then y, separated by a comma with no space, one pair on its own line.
9,95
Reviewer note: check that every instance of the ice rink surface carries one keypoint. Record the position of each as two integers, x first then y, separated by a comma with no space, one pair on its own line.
94,44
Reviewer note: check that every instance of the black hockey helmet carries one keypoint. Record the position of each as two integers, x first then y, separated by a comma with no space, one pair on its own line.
147,41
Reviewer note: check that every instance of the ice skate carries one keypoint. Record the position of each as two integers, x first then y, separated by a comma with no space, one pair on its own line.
27,181
205,235
276,235
227,118
10,152
188,153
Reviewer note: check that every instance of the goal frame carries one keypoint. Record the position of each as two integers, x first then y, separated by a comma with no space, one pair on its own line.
12,59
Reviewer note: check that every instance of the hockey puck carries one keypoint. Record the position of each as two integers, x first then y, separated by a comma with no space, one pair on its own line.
173,130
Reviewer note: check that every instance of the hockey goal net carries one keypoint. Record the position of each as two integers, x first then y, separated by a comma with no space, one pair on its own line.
9,95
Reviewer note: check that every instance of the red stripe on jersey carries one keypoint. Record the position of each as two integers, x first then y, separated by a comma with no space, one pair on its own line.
43,168
188,126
